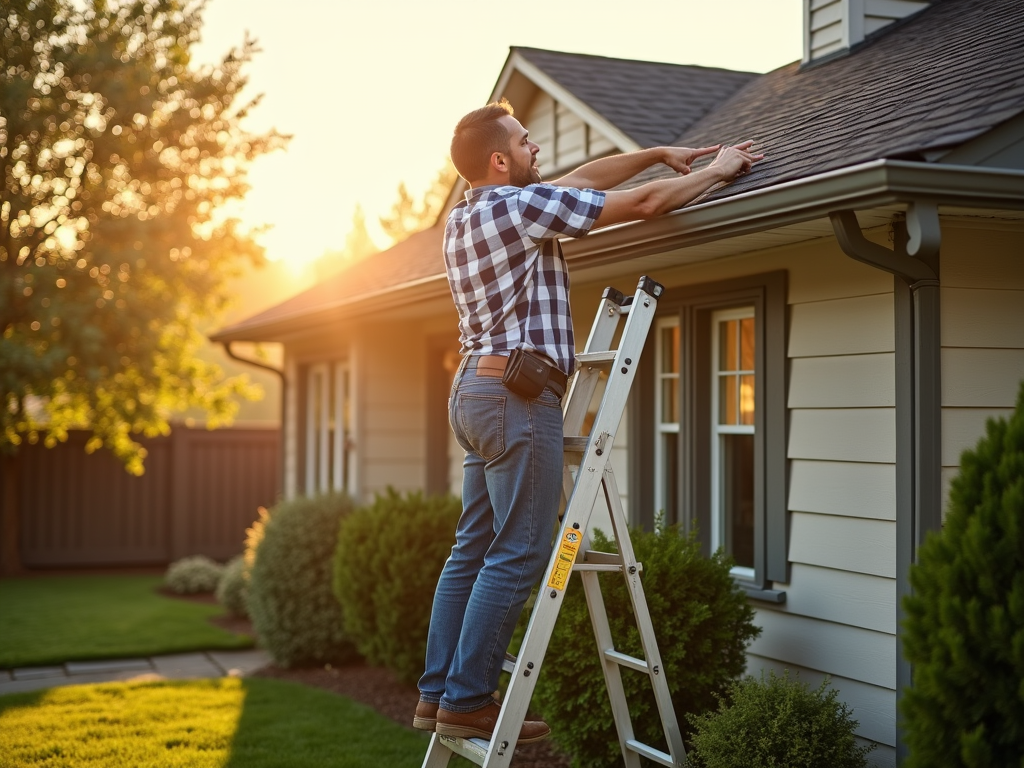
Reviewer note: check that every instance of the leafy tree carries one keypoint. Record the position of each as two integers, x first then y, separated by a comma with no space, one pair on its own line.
115,155
964,629
408,217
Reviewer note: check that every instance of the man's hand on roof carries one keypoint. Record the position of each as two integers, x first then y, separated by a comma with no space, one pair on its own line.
735,160
679,159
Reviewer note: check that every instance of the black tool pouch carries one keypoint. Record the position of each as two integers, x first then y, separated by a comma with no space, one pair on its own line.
526,373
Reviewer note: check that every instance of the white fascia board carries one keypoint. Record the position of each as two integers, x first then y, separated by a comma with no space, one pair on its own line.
518,63
860,187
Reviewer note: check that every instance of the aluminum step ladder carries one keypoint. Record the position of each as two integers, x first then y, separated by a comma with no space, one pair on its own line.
587,474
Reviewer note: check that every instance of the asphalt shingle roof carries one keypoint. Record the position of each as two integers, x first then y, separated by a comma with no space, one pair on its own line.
949,74
651,103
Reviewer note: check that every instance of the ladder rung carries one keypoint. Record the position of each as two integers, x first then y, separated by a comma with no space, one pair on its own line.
575,444
471,749
597,358
650,753
606,558
627,661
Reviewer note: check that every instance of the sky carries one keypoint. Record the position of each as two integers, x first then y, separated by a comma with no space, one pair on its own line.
370,91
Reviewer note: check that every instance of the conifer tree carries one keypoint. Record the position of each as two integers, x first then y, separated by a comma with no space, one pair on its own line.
964,631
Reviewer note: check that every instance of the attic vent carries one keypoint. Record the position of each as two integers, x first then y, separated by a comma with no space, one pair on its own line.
837,25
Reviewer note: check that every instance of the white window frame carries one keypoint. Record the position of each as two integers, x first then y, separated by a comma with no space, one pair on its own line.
718,521
330,428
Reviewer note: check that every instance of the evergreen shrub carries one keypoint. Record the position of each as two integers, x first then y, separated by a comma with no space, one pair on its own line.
233,587
293,610
702,621
388,558
964,622
192,575
776,723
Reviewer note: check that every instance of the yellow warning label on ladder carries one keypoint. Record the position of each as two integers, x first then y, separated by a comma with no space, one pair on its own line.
567,550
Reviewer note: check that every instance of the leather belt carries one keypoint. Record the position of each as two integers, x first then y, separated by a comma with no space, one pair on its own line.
494,365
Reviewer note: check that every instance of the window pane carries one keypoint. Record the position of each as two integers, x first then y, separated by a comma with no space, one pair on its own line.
670,475
727,400
670,349
746,400
738,497
727,350
747,344
670,401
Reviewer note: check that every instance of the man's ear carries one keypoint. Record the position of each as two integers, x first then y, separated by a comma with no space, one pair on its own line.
499,162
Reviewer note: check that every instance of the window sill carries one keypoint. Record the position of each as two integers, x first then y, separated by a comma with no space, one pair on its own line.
776,596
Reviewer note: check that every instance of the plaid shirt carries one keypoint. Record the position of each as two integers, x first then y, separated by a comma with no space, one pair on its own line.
506,269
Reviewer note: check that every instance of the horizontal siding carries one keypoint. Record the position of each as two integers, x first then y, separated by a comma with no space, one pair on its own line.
843,488
843,543
857,654
862,434
874,707
962,428
982,318
859,325
857,599
849,381
997,265
599,145
982,378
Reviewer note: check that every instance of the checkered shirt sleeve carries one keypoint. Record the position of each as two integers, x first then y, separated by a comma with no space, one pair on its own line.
506,270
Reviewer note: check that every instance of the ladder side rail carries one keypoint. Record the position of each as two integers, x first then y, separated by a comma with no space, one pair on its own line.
644,623
530,658
438,753
584,383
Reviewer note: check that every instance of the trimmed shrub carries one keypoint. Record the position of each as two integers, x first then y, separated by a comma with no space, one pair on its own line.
233,587
702,621
386,566
964,625
293,610
192,575
776,723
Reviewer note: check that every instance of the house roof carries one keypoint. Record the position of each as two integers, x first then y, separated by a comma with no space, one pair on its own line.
932,82
652,103
940,78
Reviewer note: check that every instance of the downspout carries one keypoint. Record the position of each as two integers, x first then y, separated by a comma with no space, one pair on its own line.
914,261
284,397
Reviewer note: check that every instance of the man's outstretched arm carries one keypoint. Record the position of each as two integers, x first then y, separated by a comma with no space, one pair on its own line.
655,198
607,172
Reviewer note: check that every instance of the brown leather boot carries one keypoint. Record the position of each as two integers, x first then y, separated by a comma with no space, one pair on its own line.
426,716
479,724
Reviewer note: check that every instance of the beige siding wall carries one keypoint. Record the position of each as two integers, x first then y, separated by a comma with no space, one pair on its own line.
982,299
565,139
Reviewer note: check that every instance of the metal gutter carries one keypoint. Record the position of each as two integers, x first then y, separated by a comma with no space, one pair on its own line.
870,185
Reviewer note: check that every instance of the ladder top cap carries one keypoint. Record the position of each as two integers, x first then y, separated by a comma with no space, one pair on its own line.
650,286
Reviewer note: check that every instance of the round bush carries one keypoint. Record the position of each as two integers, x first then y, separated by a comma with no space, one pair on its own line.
964,625
293,610
385,571
233,587
192,575
776,723
702,622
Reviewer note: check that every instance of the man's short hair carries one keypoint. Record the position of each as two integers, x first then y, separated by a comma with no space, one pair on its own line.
477,136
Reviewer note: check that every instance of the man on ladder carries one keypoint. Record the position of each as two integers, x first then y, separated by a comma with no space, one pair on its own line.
511,288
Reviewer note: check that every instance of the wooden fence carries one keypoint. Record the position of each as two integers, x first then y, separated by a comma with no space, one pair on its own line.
200,491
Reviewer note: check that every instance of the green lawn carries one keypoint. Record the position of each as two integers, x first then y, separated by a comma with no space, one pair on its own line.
227,723
53,619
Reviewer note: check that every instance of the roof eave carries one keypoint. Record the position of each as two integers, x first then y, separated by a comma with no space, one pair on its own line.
869,185
860,187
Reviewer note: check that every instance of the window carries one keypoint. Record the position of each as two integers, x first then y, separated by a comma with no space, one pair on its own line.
329,455
710,439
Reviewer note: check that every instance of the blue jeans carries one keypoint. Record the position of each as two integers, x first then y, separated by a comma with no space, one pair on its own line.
510,494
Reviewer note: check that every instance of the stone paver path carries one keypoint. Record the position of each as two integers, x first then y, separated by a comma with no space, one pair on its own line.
175,666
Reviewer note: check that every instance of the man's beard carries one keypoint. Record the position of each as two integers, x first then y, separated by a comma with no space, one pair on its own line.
522,175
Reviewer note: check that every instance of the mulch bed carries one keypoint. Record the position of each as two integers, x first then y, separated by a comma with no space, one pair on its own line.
376,687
